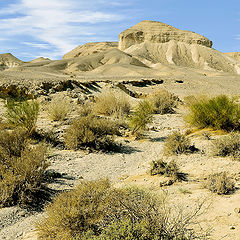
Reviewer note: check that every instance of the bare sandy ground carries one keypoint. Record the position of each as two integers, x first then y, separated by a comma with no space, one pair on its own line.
131,164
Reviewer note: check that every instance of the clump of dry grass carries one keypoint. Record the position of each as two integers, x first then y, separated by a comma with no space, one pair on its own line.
163,101
91,131
96,210
228,146
220,183
59,108
177,143
112,104
21,168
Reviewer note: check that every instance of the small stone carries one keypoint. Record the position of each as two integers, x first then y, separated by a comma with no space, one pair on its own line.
232,227
237,210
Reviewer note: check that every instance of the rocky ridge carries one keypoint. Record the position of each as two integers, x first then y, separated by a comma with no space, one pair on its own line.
90,48
158,32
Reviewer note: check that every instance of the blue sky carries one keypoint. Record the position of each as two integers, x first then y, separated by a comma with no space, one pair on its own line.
51,28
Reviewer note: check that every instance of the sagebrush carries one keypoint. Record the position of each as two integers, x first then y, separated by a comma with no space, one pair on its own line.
227,146
91,131
177,143
96,210
220,183
163,101
168,169
22,167
112,104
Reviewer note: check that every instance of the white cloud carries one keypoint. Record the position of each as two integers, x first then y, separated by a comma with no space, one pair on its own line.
37,45
56,23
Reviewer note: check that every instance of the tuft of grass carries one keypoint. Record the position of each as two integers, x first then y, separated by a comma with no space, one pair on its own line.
170,169
23,114
112,104
184,191
59,108
91,131
142,116
228,146
21,168
219,112
177,143
163,101
220,183
96,210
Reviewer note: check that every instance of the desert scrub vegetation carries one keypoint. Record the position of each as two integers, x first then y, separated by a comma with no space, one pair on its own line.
168,169
93,132
112,104
177,143
220,183
227,146
59,108
220,112
96,210
23,114
142,116
22,167
163,101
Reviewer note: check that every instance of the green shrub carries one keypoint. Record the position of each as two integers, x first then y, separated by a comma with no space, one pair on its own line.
23,114
59,108
219,112
220,183
91,131
228,146
177,143
141,117
111,104
163,101
21,168
96,210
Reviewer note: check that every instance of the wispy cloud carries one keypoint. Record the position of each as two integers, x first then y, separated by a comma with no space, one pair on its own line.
58,24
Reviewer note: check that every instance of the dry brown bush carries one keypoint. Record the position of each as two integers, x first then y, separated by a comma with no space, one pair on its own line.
227,146
163,101
220,183
177,143
96,210
91,131
112,104
21,168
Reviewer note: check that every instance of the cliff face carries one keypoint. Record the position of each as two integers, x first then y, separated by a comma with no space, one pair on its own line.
157,32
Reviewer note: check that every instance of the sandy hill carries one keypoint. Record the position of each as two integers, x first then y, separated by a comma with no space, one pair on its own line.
90,48
85,63
7,60
40,59
148,49
156,42
235,55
